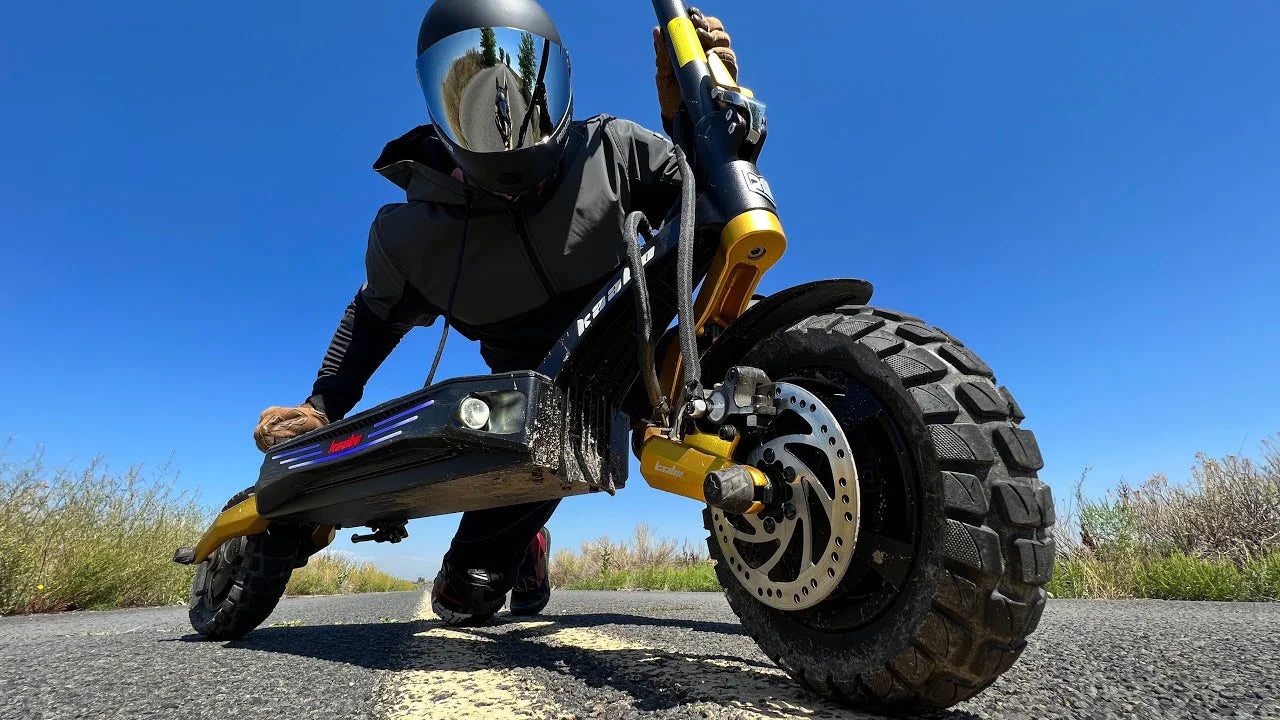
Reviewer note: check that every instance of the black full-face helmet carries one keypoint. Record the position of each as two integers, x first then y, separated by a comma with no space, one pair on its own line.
497,82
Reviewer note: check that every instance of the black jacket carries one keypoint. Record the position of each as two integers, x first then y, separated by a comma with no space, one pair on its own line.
528,266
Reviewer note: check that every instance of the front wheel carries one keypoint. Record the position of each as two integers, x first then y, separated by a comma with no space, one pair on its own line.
238,586
920,589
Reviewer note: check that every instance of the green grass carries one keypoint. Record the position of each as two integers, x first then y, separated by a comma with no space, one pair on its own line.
334,574
1173,577
1214,537
93,539
676,578
639,563
90,539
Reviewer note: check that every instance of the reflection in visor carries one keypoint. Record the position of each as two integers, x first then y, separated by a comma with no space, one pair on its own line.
496,89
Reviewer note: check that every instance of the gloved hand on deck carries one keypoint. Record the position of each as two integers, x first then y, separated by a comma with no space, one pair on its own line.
712,35
281,424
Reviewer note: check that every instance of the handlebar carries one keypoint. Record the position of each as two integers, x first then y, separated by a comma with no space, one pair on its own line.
687,57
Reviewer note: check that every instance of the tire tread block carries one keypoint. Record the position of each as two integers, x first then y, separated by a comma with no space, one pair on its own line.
964,493
1019,449
948,690
935,403
965,360
974,547
994,658
912,665
916,365
1012,619
882,343
945,638
895,315
958,594
1023,504
962,443
919,333
1033,560
983,400
1015,411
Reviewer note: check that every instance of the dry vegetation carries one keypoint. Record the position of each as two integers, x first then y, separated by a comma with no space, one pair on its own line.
455,84
1215,537
93,539
90,538
337,574
643,562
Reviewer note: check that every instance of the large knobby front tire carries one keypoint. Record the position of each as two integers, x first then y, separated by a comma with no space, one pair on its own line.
953,548
239,585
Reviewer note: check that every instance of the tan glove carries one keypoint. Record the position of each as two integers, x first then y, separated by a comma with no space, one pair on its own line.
280,424
714,39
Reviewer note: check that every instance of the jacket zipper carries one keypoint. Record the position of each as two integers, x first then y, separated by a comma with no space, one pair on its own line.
534,260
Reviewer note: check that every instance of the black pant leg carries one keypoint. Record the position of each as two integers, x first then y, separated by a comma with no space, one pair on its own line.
496,539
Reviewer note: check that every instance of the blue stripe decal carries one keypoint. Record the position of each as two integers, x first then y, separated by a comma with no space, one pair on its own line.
293,453
389,428
344,453
296,458
397,416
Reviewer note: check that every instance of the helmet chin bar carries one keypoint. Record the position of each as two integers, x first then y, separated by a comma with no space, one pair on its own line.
514,173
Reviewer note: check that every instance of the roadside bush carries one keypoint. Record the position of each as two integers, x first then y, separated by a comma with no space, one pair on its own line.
1216,537
643,562
91,538
330,573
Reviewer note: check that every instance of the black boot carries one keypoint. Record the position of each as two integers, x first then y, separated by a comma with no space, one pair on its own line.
532,591
467,597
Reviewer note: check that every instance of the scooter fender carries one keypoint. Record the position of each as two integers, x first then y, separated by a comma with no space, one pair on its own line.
777,311
236,521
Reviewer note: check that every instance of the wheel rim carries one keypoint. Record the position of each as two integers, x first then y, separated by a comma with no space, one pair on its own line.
890,534
889,531
794,555
224,564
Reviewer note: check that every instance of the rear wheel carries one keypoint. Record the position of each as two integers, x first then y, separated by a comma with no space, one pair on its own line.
239,585
909,565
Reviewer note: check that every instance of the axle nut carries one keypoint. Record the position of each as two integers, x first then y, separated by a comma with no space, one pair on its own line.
730,489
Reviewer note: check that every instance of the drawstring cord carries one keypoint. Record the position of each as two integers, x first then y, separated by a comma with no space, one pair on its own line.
453,293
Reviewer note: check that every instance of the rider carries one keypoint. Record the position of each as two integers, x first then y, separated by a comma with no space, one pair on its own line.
502,112
506,244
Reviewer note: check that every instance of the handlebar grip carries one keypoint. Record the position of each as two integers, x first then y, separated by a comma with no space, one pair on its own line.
688,58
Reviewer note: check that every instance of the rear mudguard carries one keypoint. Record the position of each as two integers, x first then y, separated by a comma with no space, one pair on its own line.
775,312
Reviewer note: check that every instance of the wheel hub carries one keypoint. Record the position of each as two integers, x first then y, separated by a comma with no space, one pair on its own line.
795,554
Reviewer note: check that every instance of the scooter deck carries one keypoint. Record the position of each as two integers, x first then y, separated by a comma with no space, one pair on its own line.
414,457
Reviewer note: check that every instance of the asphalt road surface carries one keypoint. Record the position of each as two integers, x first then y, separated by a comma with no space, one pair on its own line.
600,655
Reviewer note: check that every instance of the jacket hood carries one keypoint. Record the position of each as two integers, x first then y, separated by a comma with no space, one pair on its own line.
419,164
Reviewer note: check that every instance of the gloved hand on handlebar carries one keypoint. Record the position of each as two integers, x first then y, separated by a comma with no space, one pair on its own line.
714,39
280,424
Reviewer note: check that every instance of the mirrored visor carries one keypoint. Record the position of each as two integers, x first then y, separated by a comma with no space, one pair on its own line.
496,89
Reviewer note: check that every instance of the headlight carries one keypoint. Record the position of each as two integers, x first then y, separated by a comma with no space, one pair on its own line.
473,413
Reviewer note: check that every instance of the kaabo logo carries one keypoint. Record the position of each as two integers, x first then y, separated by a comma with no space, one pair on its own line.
350,442
671,470
584,322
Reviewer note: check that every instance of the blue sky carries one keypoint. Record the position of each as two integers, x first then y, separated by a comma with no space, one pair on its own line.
1085,192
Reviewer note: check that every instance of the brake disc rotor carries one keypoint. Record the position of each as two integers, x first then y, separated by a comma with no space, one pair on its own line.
793,555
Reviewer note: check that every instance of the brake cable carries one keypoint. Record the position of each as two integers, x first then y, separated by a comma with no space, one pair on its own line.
636,226
684,278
